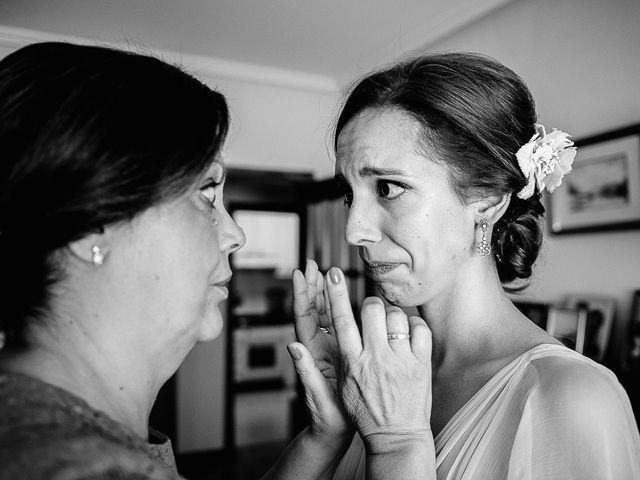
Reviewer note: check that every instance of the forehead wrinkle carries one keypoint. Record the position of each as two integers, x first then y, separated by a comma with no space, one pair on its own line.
368,169
363,154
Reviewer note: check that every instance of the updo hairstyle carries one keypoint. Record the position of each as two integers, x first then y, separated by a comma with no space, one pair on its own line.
475,114
89,136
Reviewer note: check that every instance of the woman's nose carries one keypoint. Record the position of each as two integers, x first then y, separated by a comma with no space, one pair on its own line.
233,237
362,227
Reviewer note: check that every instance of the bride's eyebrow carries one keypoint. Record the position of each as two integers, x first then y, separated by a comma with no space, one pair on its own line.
378,172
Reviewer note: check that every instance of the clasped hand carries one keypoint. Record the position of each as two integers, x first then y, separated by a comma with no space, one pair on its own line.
374,382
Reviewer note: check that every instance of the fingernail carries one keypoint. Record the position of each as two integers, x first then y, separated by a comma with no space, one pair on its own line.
294,352
335,275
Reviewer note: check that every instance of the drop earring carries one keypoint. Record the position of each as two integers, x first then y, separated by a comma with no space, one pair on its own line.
97,258
483,248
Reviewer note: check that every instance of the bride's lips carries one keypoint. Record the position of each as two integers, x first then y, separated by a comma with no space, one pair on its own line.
377,270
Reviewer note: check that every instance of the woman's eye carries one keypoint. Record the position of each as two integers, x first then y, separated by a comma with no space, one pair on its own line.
389,190
348,198
209,193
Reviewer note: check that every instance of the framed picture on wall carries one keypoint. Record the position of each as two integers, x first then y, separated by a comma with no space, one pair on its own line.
635,307
568,325
633,343
600,312
602,192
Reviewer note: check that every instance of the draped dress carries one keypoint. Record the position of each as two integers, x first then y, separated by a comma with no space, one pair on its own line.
550,413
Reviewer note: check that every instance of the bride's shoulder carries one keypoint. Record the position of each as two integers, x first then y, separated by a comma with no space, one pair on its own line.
556,375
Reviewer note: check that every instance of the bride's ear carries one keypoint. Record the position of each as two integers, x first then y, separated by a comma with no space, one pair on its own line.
91,249
492,207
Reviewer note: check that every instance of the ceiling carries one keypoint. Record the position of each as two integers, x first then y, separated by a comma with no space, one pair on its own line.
328,41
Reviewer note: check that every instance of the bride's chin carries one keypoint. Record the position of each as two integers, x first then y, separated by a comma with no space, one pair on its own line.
391,295
398,296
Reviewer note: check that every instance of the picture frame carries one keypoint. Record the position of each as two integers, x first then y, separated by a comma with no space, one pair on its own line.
600,311
602,192
568,325
635,307
633,342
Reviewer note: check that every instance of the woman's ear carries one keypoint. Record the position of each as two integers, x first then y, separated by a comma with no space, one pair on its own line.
91,249
492,207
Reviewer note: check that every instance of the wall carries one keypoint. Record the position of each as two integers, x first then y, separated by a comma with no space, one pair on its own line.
277,128
581,59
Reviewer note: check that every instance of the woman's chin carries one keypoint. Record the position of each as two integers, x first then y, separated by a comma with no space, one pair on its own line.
209,336
211,328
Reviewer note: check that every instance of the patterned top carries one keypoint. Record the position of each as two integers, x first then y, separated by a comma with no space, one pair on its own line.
49,433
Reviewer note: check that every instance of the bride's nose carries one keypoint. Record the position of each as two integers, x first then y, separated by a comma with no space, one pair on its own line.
362,226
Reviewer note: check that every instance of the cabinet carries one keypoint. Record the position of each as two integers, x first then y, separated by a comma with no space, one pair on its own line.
263,381
287,217
261,386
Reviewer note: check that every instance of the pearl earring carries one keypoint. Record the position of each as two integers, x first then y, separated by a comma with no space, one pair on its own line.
483,248
97,258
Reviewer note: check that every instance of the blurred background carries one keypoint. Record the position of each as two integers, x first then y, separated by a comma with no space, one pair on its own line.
284,66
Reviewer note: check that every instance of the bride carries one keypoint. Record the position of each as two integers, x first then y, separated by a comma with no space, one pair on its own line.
443,167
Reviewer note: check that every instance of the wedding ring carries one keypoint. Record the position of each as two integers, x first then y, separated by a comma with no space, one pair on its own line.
398,336
325,330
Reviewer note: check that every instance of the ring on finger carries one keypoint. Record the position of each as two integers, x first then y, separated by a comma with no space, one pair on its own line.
398,336
325,330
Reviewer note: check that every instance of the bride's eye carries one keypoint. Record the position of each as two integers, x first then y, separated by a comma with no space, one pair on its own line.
389,190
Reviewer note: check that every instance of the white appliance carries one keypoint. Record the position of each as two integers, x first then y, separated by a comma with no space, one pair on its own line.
260,354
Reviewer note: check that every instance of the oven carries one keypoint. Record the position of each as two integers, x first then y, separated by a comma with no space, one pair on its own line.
260,355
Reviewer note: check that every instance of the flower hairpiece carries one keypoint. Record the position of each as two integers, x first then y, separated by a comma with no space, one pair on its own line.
544,160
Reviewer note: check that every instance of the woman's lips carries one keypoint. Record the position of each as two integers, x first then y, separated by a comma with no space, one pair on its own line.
224,290
222,286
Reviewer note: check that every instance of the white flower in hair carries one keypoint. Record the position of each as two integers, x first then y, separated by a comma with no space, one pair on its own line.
544,160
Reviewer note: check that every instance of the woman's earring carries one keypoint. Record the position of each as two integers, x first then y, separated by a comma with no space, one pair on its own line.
483,247
97,258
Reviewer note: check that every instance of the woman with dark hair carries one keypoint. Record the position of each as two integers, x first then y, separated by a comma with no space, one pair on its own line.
114,253
443,166
114,258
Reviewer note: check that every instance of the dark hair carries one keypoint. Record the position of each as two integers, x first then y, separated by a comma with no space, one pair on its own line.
475,114
89,136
